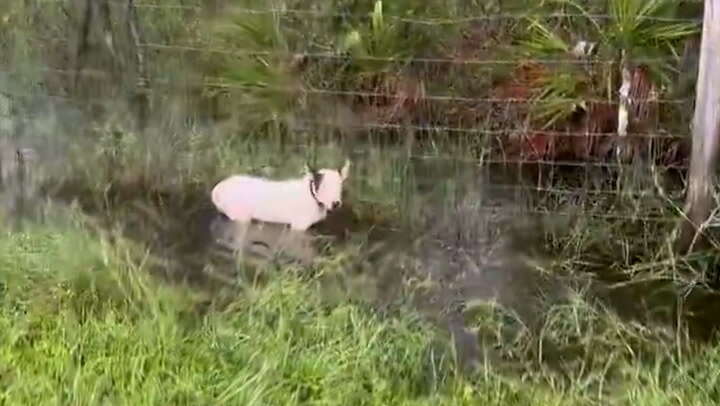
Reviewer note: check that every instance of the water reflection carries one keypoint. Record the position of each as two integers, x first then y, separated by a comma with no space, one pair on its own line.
264,242
452,240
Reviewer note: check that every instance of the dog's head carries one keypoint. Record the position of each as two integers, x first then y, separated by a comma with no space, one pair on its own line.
326,185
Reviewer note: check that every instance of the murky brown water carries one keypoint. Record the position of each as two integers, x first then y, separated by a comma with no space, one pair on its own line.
466,242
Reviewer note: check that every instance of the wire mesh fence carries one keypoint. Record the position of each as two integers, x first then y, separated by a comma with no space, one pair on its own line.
558,112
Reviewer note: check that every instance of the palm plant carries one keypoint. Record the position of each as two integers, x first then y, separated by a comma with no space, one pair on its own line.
380,39
256,67
377,41
378,51
635,32
381,47
390,34
564,93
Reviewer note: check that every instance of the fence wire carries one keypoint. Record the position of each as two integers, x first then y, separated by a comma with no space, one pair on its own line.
434,21
161,86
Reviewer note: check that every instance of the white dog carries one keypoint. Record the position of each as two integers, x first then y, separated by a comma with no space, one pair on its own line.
298,202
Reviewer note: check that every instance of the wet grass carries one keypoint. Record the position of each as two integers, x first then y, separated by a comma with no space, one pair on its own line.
84,323
85,320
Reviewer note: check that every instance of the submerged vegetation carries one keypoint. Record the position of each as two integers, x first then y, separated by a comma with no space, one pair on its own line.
446,279
84,323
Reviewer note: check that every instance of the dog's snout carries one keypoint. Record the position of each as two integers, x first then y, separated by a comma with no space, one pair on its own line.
335,205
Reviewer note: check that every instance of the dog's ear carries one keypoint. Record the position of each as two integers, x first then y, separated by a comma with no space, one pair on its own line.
317,178
345,170
307,170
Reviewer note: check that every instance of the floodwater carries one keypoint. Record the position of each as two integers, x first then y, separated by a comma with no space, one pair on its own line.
473,242
465,237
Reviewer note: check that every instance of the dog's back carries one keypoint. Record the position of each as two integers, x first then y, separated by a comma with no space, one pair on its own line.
238,194
243,197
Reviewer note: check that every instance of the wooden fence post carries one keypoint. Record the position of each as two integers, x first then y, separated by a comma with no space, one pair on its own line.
699,202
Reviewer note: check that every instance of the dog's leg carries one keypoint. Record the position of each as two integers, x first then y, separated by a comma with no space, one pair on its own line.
306,248
240,229
300,225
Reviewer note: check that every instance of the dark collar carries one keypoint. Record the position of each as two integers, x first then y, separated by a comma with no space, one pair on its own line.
314,196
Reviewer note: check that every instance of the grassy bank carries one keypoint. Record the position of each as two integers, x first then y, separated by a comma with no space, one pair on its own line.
85,319
82,323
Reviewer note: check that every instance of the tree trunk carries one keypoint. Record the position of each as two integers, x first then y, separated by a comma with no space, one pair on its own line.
706,134
624,110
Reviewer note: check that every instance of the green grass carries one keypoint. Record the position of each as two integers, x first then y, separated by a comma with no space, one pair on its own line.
82,322
86,327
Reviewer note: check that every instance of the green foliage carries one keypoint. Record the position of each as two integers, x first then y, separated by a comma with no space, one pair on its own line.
638,28
634,24
543,41
637,32
389,38
255,64
82,323
562,95
381,38
375,35
20,51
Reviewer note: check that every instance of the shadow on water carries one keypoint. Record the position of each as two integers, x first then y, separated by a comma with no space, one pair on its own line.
461,240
